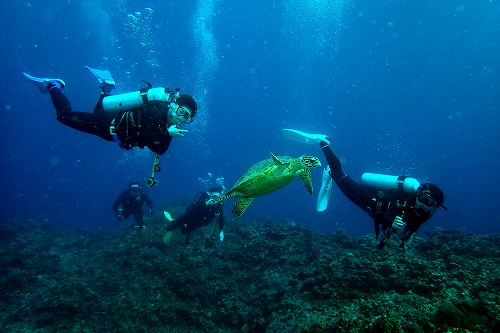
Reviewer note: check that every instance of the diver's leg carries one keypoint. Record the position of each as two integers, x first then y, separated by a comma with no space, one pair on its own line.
99,107
174,224
91,123
43,84
333,161
359,194
139,219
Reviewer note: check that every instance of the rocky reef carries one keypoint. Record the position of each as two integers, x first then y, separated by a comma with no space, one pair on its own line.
272,276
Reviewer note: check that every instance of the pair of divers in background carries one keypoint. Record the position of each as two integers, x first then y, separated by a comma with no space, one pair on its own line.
151,117
197,214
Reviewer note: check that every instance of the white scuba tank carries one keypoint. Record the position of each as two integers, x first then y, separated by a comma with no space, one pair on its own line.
135,99
386,182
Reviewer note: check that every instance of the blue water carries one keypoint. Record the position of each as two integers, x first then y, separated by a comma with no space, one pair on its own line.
402,87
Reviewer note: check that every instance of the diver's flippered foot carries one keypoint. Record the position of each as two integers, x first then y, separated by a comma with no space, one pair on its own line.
303,137
106,87
45,84
106,82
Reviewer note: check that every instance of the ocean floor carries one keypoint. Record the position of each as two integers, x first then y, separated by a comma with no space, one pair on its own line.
273,276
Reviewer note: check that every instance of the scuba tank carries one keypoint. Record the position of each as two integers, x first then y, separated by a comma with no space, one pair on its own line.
386,182
135,99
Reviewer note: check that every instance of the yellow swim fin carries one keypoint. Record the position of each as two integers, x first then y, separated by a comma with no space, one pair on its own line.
168,216
168,235
167,238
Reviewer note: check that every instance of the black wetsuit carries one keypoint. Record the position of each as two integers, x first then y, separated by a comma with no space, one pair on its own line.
382,206
198,214
132,202
146,126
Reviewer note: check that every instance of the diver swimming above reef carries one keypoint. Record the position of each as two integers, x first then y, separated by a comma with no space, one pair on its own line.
395,203
149,118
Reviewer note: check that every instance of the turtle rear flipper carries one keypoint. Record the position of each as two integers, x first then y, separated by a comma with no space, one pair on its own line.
306,177
229,194
240,206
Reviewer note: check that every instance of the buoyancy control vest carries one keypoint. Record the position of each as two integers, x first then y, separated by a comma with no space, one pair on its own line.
389,190
125,127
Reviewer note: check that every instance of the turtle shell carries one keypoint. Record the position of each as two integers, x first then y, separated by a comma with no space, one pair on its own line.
266,176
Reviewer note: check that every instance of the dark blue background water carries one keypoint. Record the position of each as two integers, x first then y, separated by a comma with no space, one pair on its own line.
403,87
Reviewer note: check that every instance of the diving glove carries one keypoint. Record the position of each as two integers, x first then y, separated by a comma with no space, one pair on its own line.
398,223
175,131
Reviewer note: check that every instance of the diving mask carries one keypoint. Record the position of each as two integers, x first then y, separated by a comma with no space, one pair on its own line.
185,114
425,201
135,189
214,195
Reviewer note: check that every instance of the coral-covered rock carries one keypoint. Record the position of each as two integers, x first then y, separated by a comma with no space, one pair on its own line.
264,277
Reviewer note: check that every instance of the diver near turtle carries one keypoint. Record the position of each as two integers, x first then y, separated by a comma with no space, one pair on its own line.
148,118
396,203
268,176
199,214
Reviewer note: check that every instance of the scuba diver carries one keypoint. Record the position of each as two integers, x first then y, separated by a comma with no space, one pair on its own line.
131,201
149,118
391,209
395,203
199,214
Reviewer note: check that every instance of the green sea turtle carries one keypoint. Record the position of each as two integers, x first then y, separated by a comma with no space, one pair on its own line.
268,176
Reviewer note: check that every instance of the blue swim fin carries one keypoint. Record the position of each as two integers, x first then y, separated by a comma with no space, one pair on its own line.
299,136
41,83
106,82
325,191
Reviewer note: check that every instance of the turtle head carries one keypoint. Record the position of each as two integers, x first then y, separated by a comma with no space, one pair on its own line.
309,161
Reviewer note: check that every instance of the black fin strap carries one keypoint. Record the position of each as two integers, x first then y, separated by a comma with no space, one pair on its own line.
144,91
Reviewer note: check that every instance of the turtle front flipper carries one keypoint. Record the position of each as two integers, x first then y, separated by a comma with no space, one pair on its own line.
240,206
306,177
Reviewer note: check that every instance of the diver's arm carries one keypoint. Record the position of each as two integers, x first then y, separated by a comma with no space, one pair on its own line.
160,146
117,203
147,200
388,217
220,219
